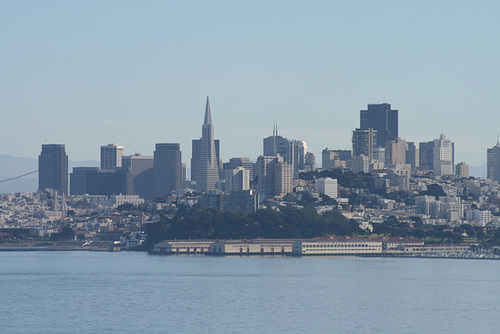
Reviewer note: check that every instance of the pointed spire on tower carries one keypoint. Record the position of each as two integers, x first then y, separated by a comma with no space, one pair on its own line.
208,115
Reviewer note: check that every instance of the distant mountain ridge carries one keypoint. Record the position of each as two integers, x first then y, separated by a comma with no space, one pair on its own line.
478,171
11,166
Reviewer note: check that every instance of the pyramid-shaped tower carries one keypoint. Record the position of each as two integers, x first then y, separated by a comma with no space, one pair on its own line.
207,174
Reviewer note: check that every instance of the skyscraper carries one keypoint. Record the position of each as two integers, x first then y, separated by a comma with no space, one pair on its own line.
462,170
167,168
237,179
309,162
412,155
207,171
274,176
292,151
426,156
142,170
395,152
53,168
240,162
363,142
95,181
381,118
111,156
195,156
277,144
493,163
443,156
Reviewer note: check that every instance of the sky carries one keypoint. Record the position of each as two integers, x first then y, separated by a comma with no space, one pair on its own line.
137,73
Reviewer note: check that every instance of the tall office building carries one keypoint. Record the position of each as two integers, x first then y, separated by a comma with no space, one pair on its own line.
299,156
382,118
234,163
309,162
292,151
379,156
462,170
493,163
277,144
412,155
426,155
207,165
274,176
363,142
195,157
237,179
142,170
167,168
95,181
111,156
443,156
360,163
53,168
395,152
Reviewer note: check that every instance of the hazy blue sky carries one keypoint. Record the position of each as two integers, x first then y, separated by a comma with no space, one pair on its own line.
136,73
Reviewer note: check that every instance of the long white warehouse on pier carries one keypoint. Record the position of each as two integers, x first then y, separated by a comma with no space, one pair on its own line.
337,246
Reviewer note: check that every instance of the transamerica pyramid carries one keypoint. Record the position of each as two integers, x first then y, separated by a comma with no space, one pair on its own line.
207,174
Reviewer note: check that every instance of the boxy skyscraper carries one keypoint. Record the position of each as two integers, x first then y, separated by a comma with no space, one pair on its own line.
167,168
383,119
53,168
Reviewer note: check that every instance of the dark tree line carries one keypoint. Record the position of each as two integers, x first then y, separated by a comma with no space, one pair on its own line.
288,222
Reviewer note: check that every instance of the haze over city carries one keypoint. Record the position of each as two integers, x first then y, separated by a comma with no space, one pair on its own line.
86,74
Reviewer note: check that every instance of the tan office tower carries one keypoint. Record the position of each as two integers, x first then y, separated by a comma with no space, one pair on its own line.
111,156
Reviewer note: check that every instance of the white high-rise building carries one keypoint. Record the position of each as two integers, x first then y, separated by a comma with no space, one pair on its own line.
274,176
443,156
237,179
326,186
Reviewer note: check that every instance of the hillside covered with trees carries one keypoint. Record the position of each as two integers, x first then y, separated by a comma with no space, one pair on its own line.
288,222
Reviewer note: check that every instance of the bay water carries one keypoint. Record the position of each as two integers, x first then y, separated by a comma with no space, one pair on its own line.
132,292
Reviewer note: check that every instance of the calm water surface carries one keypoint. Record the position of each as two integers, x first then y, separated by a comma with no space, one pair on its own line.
128,292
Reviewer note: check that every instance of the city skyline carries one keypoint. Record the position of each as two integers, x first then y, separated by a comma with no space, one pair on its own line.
196,143
74,72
